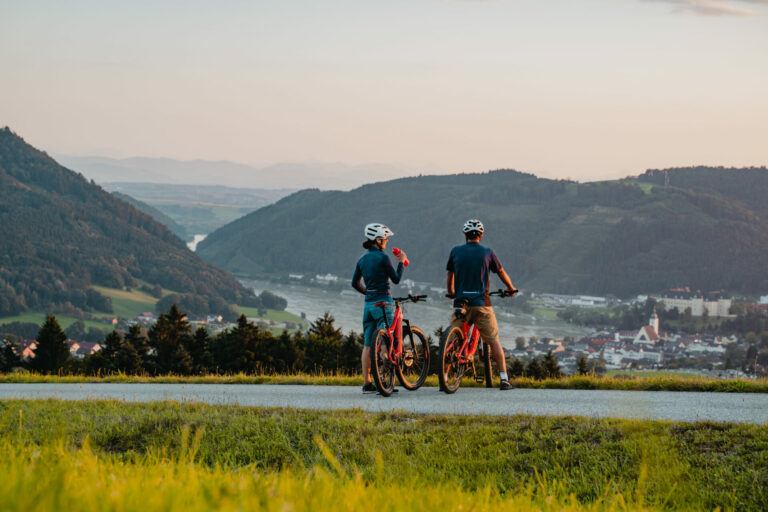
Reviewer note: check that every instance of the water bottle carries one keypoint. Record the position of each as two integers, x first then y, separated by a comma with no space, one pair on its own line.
396,252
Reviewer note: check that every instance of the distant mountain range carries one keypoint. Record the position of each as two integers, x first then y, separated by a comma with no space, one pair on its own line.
61,234
291,175
705,227
195,209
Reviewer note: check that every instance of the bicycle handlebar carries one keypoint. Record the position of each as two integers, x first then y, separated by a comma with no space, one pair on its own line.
410,298
504,293
499,293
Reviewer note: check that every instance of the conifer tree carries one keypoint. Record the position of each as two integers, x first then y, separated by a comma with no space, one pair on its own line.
8,357
534,370
200,351
140,344
516,369
551,367
324,327
169,337
582,365
52,352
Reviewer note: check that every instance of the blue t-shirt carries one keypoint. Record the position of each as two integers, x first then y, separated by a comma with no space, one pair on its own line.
376,269
470,264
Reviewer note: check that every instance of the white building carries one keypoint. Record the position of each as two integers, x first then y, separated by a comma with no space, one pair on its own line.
715,306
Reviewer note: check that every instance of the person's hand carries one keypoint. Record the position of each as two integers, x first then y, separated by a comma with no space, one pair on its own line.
511,291
401,257
450,295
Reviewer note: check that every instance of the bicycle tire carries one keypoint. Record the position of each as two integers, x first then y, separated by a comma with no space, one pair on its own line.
414,362
451,370
382,370
485,357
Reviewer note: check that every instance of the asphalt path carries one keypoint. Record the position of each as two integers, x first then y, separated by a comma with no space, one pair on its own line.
655,405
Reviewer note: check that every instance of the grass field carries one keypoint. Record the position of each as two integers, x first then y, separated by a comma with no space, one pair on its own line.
574,382
128,304
64,321
100,455
277,316
541,312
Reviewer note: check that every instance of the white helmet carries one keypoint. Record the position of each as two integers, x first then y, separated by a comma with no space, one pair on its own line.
376,230
473,225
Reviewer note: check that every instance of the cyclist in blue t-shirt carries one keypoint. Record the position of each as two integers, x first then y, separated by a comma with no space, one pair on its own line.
468,282
375,269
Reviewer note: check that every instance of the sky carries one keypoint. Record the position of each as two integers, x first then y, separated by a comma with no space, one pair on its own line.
579,89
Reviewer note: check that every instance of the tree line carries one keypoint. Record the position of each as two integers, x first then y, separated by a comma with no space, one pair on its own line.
172,346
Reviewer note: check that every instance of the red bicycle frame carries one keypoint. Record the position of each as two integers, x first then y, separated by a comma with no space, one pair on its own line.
394,331
471,339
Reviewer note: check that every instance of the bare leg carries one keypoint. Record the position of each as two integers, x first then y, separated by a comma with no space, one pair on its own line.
498,356
366,360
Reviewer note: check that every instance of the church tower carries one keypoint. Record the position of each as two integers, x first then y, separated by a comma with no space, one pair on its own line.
654,321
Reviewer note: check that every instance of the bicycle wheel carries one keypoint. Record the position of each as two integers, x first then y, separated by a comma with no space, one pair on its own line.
414,363
382,370
451,370
485,358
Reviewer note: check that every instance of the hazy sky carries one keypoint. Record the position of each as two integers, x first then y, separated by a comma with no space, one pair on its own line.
563,88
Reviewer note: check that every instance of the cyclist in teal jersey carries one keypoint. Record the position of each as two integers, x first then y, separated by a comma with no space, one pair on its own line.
372,275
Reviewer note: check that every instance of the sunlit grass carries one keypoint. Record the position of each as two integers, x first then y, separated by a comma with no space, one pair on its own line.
55,478
111,455
639,383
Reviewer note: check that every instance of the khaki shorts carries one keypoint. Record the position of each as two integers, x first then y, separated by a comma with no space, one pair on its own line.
485,320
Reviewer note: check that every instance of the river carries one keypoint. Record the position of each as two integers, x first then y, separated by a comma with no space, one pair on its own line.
347,308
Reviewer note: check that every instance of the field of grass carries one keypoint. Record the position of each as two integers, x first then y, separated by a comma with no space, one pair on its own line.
64,321
277,316
542,312
574,382
105,455
128,304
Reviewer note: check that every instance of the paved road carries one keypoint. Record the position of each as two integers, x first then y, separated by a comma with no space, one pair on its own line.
741,408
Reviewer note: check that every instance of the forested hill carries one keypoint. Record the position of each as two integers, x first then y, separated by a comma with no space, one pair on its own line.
622,237
745,186
60,234
156,214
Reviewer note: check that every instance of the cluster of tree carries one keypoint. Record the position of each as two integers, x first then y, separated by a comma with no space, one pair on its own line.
62,234
617,237
172,346
546,368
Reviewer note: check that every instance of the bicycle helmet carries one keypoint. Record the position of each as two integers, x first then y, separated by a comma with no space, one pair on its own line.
376,230
473,225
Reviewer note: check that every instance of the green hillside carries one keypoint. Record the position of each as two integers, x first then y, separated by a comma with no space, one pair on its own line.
621,237
156,214
61,235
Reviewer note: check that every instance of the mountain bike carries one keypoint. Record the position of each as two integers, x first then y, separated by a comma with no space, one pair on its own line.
458,347
400,349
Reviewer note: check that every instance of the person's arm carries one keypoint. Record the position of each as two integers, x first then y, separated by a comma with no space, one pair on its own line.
450,291
507,282
357,280
495,266
395,275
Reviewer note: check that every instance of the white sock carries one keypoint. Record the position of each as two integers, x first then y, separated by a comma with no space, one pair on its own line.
503,375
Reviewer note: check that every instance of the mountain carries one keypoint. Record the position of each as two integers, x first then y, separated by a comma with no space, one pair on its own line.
156,214
293,175
62,234
198,209
621,237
